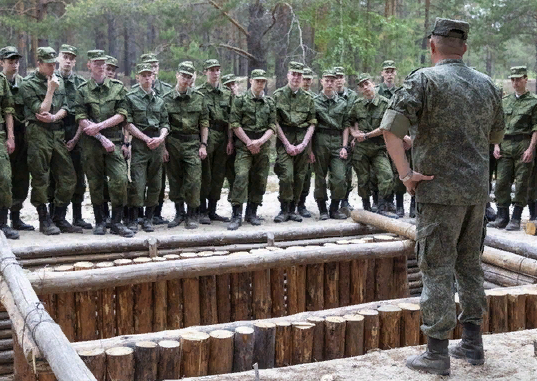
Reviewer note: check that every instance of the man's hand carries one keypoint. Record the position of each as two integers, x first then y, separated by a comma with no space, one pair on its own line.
155,143
10,145
165,156
291,149
255,146
353,142
412,183
53,82
311,157
203,152
92,129
71,144
360,136
496,152
300,148
229,147
527,157
343,153
107,144
45,117
126,151
407,143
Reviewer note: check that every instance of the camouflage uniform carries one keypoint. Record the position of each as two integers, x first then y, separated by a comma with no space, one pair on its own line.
385,91
230,162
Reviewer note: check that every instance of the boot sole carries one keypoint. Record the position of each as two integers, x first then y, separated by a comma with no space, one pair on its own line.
437,372
23,229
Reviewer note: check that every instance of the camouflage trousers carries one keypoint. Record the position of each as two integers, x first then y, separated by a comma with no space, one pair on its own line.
449,243
532,186
307,182
99,165
509,167
214,166
251,172
5,174
230,172
326,149
368,157
348,173
20,174
80,186
146,174
184,171
291,170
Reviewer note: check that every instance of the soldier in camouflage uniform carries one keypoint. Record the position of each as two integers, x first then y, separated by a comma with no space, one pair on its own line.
20,174
111,67
387,87
442,105
148,124
100,110
370,154
515,154
295,116
186,145
532,191
230,81
7,146
253,120
45,107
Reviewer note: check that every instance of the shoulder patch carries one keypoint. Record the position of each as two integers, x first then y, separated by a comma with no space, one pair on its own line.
82,85
413,71
384,99
198,92
116,81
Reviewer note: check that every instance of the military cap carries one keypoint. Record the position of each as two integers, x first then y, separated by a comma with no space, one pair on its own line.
308,73
450,28
388,64
111,61
210,63
9,52
144,67
339,70
149,57
329,73
96,55
186,68
228,78
69,49
518,71
46,54
363,77
258,74
296,67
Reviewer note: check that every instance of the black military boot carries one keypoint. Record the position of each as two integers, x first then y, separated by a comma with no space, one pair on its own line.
375,206
334,211
323,212
345,204
203,216
283,216
470,347
301,207
140,219
502,219
383,209
179,215
60,221
17,223
106,215
399,199
100,219
212,212
412,210
132,223
77,217
389,203
4,227
434,360
191,220
147,226
490,213
533,210
514,224
51,208
157,217
251,214
293,215
366,203
46,226
236,218
117,227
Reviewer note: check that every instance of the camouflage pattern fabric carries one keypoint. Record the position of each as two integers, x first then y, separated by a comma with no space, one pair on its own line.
5,174
385,91
159,87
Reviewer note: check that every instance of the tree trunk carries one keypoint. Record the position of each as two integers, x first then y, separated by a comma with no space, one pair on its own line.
282,47
488,62
127,50
254,41
426,29
112,36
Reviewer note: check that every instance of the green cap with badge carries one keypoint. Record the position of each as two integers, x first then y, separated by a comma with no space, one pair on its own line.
46,54
329,73
186,67
363,77
518,71
96,55
258,74
388,64
210,63
228,78
149,57
111,61
69,49
450,28
339,70
308,73
9,52
144,67
296,67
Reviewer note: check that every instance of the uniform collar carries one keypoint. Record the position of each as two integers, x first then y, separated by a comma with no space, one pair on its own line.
253,97
144,94
40,76
450,61
69,78
93,85
344,93
326,99
375,101
177,94
216,89
291,92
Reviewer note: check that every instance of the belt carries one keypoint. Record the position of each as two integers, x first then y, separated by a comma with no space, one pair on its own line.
517,138
152,133
112,135
254,135
217,125
290,129
184,138
52,126
326,131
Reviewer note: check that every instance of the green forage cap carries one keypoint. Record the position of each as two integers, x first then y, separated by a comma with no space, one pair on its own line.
329,73
339,70
111,61
69,49
9,52
258,74
297,67
95,55
210,63
451,28
149,57
518,71
144,66
308,73
186,68
363,77
228,78
46,54
389,64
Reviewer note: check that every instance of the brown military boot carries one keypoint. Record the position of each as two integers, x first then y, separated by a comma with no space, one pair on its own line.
434,360
470,348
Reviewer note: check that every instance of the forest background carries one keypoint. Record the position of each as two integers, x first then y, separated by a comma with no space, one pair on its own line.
244,35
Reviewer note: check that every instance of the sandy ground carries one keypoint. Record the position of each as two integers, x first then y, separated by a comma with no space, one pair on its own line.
509,356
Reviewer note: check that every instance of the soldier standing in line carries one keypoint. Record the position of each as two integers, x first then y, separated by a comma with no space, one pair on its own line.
111,67
220,142
148,124
515,154
20,174
230,81
186,145
253,120
295,123
387,87
329,147
45,106
100,112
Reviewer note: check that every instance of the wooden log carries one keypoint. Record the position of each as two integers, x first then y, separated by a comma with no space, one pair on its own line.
331,285
169,364
195,361
404,229
513,245
485,325
223,299
264,347
302,342
6,344
296,289
261,300
86,309
143,302
283,344
410,324
354,335
21,370
516,310
146,361
66,308
49,376
208,301
383,278
160,302
334,337
510,261
531,309
106,307
95,360
277,292
344,283
505,277
120,364
318,337
49,301
390,326
412,277
498,318
241,301
124,304
371,281
315,287
371,329
191,302
221,352
243,356
531,228
358,281
174,293
400,278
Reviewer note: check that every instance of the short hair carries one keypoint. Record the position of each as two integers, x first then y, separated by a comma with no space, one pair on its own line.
449,45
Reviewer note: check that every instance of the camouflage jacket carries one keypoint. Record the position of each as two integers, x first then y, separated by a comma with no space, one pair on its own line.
253,114
520,113
15,88
385,91
368,114
146,111
331,113
294,109
187,113
453,114
71,84
218,101
349,95
6,99
159,87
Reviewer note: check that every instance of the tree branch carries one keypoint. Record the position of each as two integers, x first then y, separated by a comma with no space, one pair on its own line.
233,21
234,49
